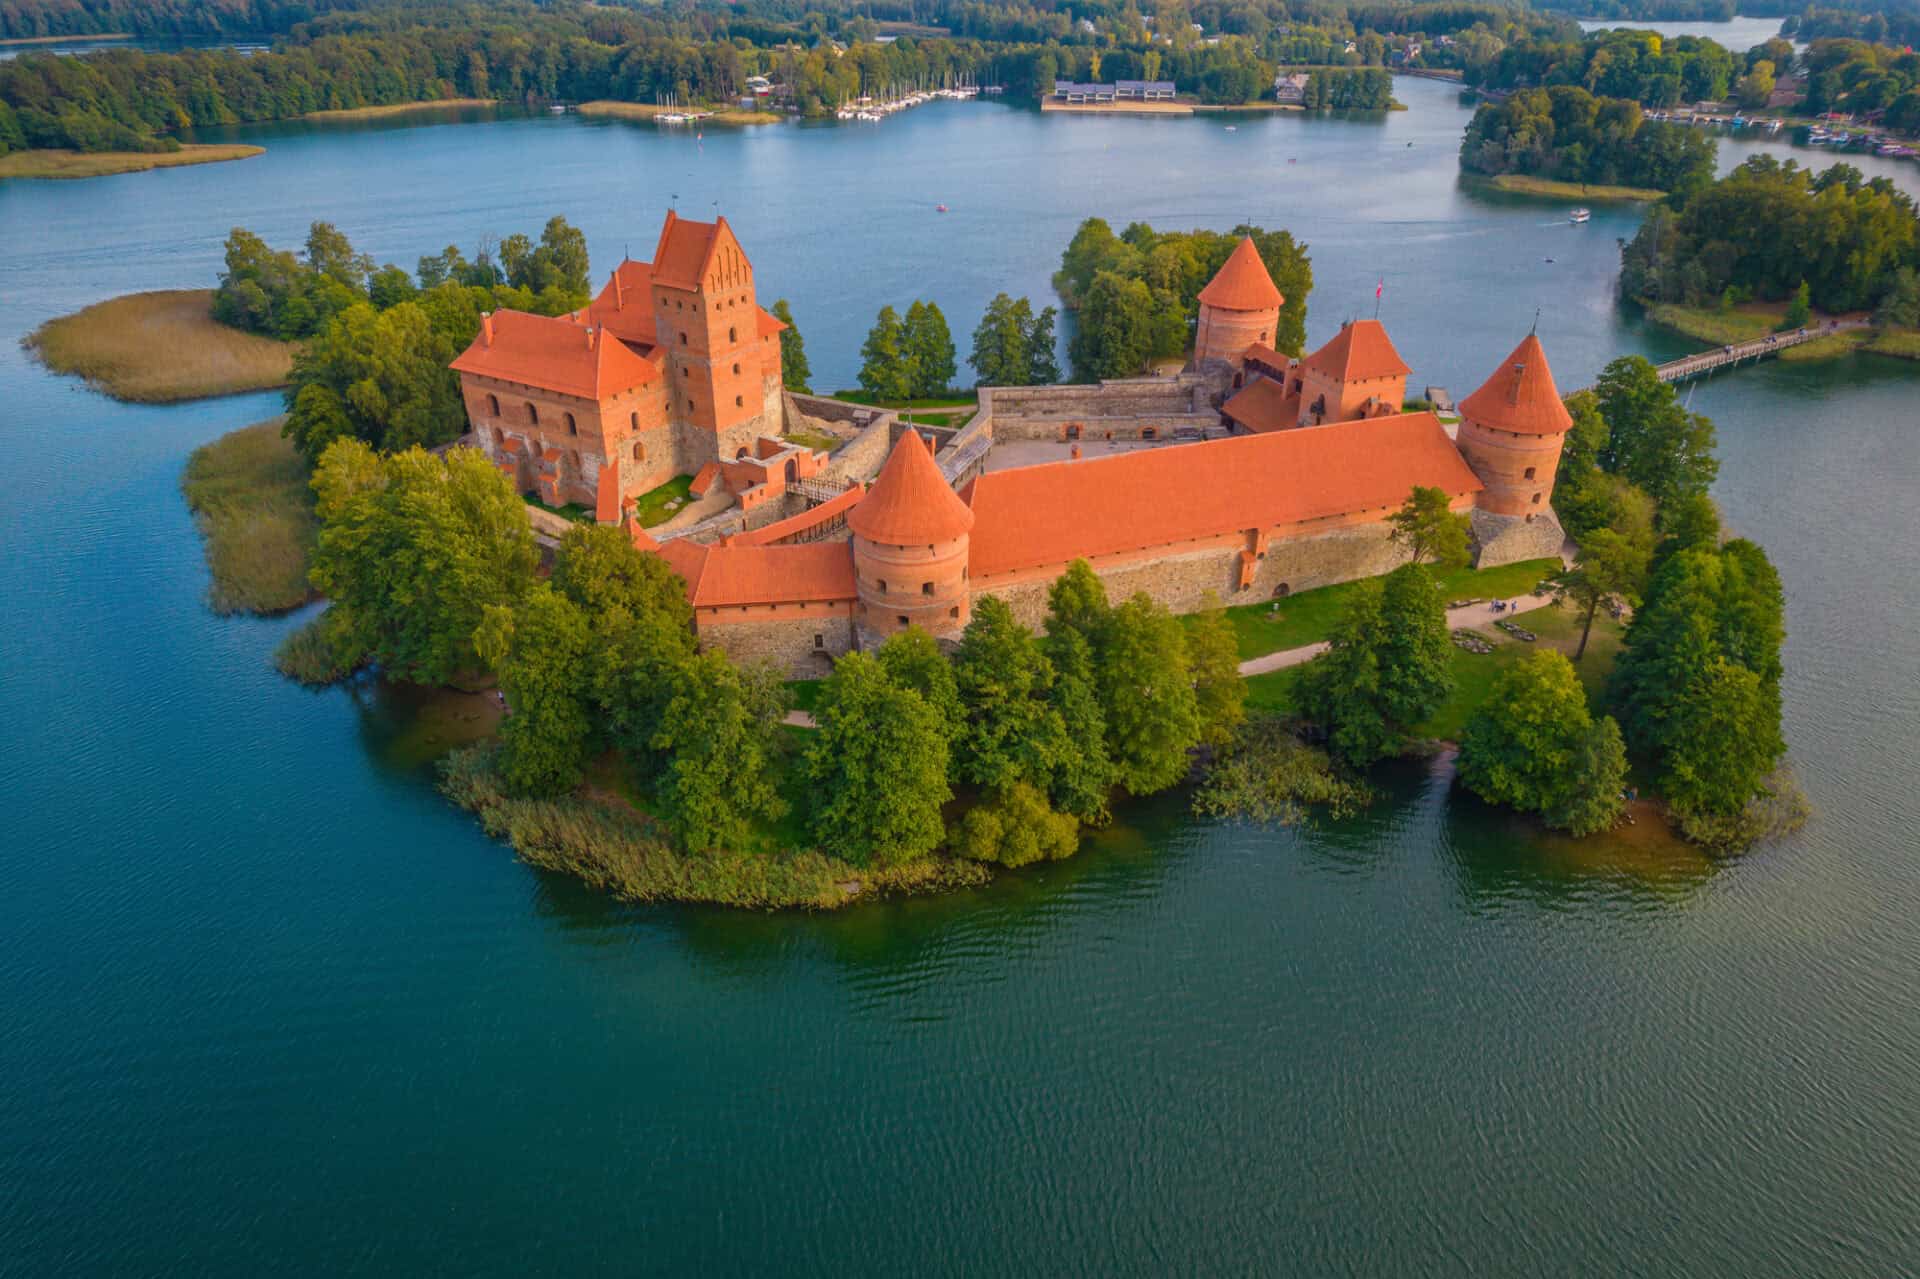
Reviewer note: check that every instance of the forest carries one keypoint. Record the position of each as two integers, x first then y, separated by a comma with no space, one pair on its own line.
1638,65
339,56
1769,226
1569,135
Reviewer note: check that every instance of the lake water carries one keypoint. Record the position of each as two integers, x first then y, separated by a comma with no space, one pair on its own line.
1738,34
267,1003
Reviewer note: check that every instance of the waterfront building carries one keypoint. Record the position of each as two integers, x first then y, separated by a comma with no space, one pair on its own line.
1294,467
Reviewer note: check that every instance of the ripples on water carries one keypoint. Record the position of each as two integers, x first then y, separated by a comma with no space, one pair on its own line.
267,1003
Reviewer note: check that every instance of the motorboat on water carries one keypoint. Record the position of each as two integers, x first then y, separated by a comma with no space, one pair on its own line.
1580,215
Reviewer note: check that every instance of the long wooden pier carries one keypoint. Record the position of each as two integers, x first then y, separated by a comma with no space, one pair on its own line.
1692,366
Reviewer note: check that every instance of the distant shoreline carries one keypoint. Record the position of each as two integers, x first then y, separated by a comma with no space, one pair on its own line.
56,163
24,40
608,107
398,108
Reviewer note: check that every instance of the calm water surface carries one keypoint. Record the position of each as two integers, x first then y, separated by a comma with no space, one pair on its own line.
267,1003
1739,34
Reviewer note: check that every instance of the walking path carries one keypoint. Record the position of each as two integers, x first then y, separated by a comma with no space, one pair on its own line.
1473,615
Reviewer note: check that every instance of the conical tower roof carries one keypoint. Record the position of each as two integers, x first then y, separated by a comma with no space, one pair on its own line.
910,501
1243,284
1520,396
1359,351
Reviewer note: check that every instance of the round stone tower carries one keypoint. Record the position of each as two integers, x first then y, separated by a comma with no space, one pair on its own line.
910,548
1240,307
1511,430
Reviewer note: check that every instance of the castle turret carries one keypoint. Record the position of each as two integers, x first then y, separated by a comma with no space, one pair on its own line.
910,547
1239,308
1511,430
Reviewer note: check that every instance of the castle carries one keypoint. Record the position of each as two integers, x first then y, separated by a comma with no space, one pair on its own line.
795,557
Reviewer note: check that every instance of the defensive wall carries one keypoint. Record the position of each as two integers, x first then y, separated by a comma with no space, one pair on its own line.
1120,409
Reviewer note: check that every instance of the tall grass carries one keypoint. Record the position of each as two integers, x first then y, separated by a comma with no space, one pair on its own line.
249,493
52,162
617,850
156,348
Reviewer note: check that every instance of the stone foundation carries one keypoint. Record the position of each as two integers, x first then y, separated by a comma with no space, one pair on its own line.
788,642
1509,539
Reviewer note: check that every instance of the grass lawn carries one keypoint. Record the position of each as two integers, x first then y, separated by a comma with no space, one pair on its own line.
1904,343
959,400
646,111
1308,617
806,693
922,418
1826,348
156,348
399,108
813,440
571,511
1719,327
55,163
651,507
249,494
1521,184
1559,628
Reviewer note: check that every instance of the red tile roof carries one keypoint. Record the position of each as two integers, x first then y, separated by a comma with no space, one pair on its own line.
1520,396
769,323
1361,349
1045,515
1242,283
686,247
730,576
625,305
910,501
1264,405
553,353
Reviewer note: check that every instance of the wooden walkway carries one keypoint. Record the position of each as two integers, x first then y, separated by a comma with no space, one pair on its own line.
1692,366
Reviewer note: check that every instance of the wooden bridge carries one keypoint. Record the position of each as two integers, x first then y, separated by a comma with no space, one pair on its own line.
1692,366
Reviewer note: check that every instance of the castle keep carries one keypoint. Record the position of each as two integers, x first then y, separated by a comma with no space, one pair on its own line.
797,555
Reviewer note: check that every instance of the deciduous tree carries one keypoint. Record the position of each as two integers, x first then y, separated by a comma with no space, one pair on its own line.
1428,529
1146,685
878,767
795,373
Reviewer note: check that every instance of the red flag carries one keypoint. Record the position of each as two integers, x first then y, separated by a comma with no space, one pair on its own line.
1379,288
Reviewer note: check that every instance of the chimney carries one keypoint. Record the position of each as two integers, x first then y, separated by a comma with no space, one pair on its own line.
486,328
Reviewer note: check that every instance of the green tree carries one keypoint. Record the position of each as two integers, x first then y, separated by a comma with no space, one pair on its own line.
794,370
1214,657
1010,733
717,787
885,373
1689,523
1900,304
878,765
1800,308
1534,746
388,377
1000,345
928,346
1014,827
1341,690
1115,332
1416,649
1651,439
330,253
1723,741
1613,562
1077,602
1147,696
413,548
1083,776
1043,367
1429,530
912,659
538,645
390,285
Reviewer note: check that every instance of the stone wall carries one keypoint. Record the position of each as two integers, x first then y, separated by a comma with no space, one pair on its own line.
1122,408
859,459
804,647
1509,539
1181,579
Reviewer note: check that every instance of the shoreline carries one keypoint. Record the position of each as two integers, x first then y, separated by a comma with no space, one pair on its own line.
1551,189
351,114
22,41
608,108
159,347
61,164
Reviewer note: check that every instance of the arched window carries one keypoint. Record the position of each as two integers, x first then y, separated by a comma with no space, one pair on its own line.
493,405
736,370
739,453
739,402
499,437
639,453
533,414
733,335
689,404
683,339
634,418
573,427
